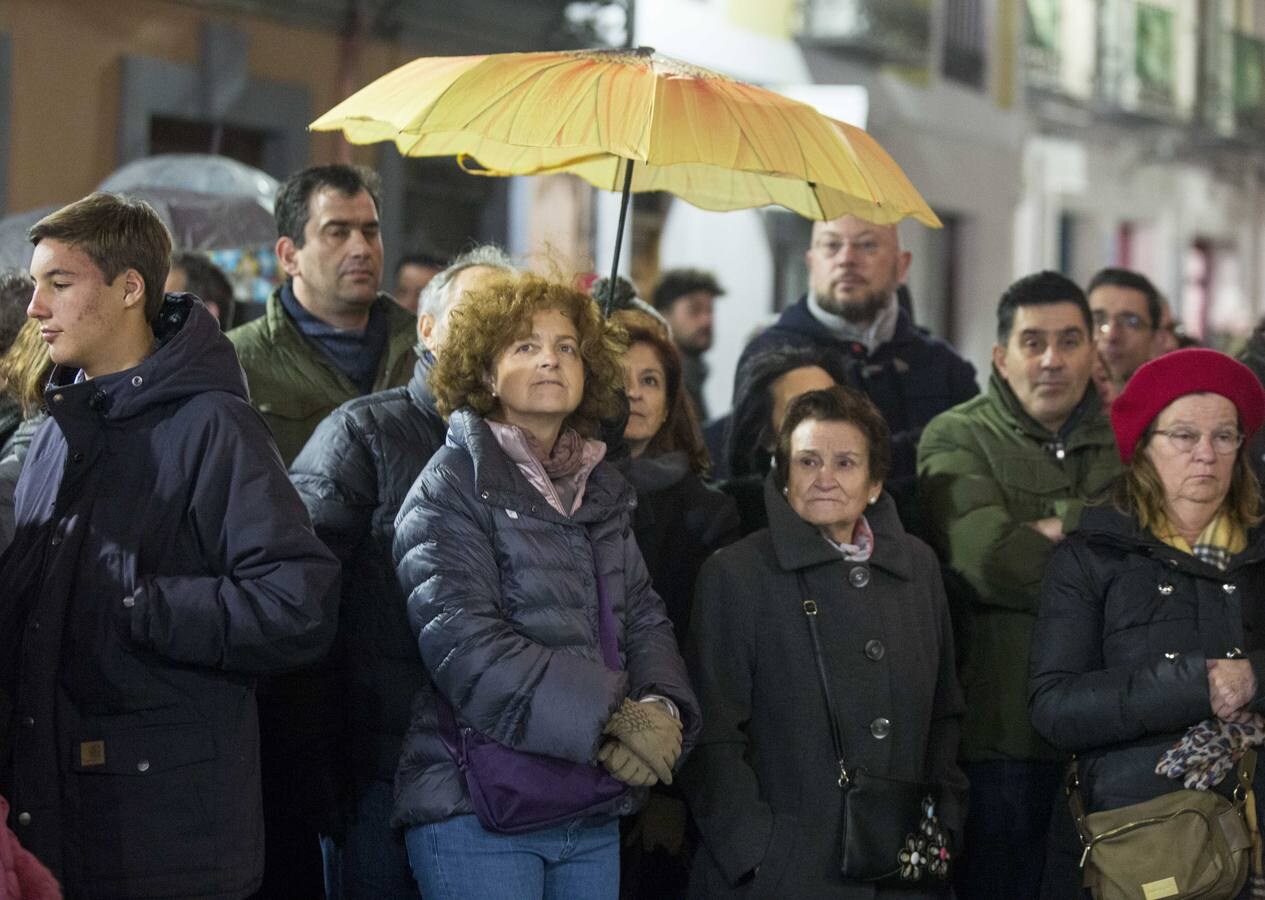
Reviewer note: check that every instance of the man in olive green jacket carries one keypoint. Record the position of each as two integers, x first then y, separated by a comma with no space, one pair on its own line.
327,336
1001,478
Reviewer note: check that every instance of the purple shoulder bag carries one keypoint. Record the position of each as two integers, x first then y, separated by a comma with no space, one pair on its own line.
513,791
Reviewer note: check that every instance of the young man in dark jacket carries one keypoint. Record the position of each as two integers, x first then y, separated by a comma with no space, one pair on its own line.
854,270
353,474
161,560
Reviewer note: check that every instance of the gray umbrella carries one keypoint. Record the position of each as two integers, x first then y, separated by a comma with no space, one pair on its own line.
201,172
197,221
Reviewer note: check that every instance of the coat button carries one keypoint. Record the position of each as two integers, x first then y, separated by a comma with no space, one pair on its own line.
1166,589
875,650
881,727
1171,655
483,494
859,576
129,601
24,818
142,766
137,381
1228,588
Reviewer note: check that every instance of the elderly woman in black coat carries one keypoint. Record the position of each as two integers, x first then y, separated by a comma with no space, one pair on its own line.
763,782
547,647
1151,618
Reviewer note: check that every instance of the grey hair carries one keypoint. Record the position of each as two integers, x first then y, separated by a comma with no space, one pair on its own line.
437,297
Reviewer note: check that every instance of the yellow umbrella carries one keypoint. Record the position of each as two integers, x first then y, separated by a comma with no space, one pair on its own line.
654,123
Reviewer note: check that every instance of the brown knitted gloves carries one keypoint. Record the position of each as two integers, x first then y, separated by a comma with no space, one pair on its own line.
650,735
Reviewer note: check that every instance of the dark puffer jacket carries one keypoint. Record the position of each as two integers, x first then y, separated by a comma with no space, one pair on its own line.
161,560
353,476
502,595
1125,625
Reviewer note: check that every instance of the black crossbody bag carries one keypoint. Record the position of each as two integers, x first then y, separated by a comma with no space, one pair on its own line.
891,833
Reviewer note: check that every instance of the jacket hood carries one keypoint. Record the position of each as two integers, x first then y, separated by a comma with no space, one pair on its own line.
192,356
799,545
499,482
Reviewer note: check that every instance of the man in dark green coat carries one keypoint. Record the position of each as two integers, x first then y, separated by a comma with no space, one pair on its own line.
327,336
1001,478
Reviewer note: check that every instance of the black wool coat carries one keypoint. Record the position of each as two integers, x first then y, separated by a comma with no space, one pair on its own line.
161,560
762,781
679,523
1118,653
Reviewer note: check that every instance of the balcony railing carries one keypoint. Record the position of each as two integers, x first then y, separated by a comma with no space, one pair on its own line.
891,31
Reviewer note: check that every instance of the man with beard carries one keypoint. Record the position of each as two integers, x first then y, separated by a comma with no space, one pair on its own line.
686,298
854,269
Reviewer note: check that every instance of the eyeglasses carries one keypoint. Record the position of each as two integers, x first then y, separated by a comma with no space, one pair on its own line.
1131,321
1185,440
832,248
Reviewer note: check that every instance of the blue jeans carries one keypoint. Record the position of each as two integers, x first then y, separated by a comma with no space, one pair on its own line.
371,863
456,859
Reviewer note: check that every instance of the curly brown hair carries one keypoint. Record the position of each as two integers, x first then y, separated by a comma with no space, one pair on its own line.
489,319
679,431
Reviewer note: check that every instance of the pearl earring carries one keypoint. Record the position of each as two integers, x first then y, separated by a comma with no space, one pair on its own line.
784,492
873,500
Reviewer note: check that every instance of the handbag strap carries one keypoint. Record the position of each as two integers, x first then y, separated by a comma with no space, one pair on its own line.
605,622
836,732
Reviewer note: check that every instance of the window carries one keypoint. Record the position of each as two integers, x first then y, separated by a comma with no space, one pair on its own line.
964,42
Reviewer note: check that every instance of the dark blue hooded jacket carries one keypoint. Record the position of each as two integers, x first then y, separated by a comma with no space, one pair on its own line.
161,560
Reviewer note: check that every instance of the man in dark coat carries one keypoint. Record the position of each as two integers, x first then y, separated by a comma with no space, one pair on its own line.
353,475
161,560
686,298
328,336
854,269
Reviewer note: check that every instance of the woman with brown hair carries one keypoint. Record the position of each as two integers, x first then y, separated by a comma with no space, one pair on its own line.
24,370
823,657
680,521
545,643
1148,657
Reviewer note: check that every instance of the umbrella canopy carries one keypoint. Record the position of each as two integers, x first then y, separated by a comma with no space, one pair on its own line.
715,142
204,173
197,221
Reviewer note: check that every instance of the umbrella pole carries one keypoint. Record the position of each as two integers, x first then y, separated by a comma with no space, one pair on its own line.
619,236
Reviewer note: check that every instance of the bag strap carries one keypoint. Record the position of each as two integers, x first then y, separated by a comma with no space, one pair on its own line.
836,732
605,622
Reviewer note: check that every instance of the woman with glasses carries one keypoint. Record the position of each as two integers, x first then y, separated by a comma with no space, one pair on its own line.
1152,618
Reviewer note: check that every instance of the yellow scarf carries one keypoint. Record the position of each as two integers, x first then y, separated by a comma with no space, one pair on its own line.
1220,540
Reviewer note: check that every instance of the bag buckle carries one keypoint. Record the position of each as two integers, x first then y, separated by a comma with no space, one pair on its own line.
844,778
810,607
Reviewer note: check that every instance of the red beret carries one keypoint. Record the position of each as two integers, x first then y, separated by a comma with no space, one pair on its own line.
1159,382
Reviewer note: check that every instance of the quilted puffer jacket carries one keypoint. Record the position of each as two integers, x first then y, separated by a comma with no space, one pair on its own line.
1118,653
502,597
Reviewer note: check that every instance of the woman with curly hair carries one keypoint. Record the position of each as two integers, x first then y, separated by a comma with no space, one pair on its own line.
557,691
